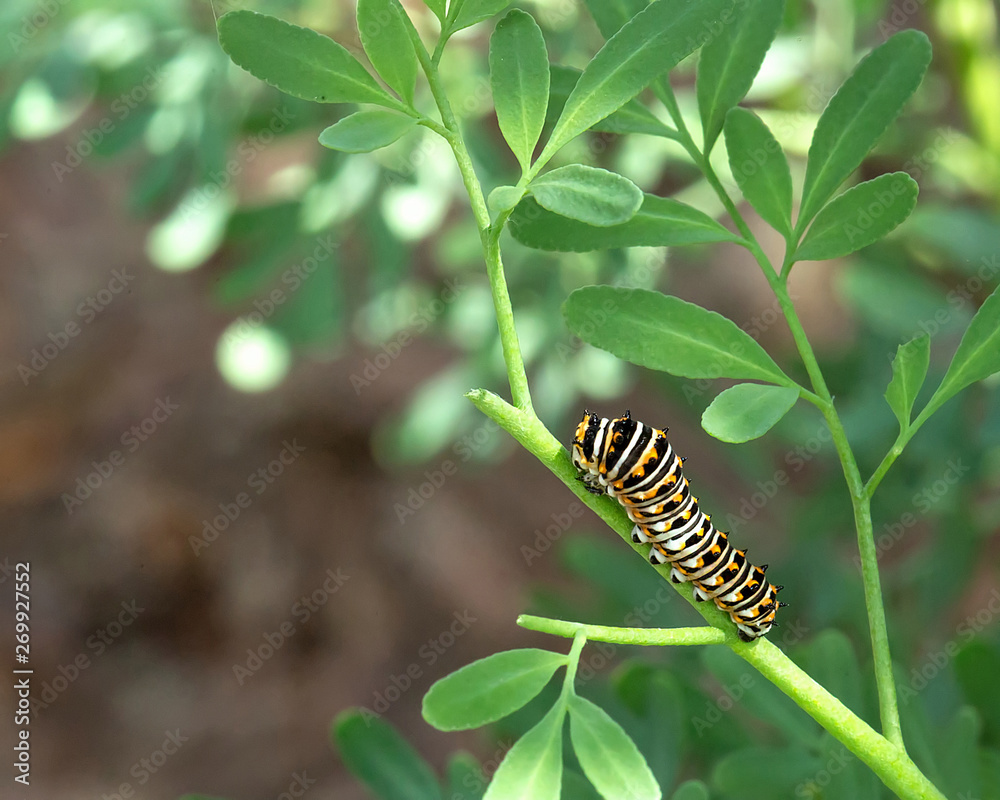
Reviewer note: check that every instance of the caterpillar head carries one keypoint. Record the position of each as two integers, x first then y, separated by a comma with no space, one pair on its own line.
583,450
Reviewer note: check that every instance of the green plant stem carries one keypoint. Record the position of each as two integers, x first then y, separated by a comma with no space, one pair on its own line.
861,503
897,447
579,640
633,636
488,235
887,760
885,756
860,496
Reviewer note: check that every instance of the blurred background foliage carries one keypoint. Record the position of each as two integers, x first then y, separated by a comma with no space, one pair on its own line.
371,253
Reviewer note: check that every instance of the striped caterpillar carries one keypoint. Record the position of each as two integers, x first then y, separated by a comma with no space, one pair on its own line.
635,464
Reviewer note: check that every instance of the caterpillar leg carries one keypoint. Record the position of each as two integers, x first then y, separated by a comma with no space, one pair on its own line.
639,536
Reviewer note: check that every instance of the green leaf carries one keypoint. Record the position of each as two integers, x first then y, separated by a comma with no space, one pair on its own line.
611,15
633,117
488,689
465,778
609,758
860,216
864,106
381,759
438,7
473,11
532,769
747,411
651,43
760,168
519,78
729,63
978,354
909,368
668,334
385,35
364,131
659,222
504,198
297,60
691,790
588,194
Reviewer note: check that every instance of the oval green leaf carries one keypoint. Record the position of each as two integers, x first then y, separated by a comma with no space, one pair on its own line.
488,689
633,117
651,43
385,35
659,222
532,769
859,217
382,759
519,78
747,411
760,168
365,131
588,194
909,368
668,334
297,60
729,63
858,114
609,758
978,354
504,198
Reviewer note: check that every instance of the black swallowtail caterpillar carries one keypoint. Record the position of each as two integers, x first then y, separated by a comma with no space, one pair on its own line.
636,465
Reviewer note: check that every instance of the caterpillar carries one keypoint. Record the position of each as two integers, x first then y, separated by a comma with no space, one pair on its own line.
635,464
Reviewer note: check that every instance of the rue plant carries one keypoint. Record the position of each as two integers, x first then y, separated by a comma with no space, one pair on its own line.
575,207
